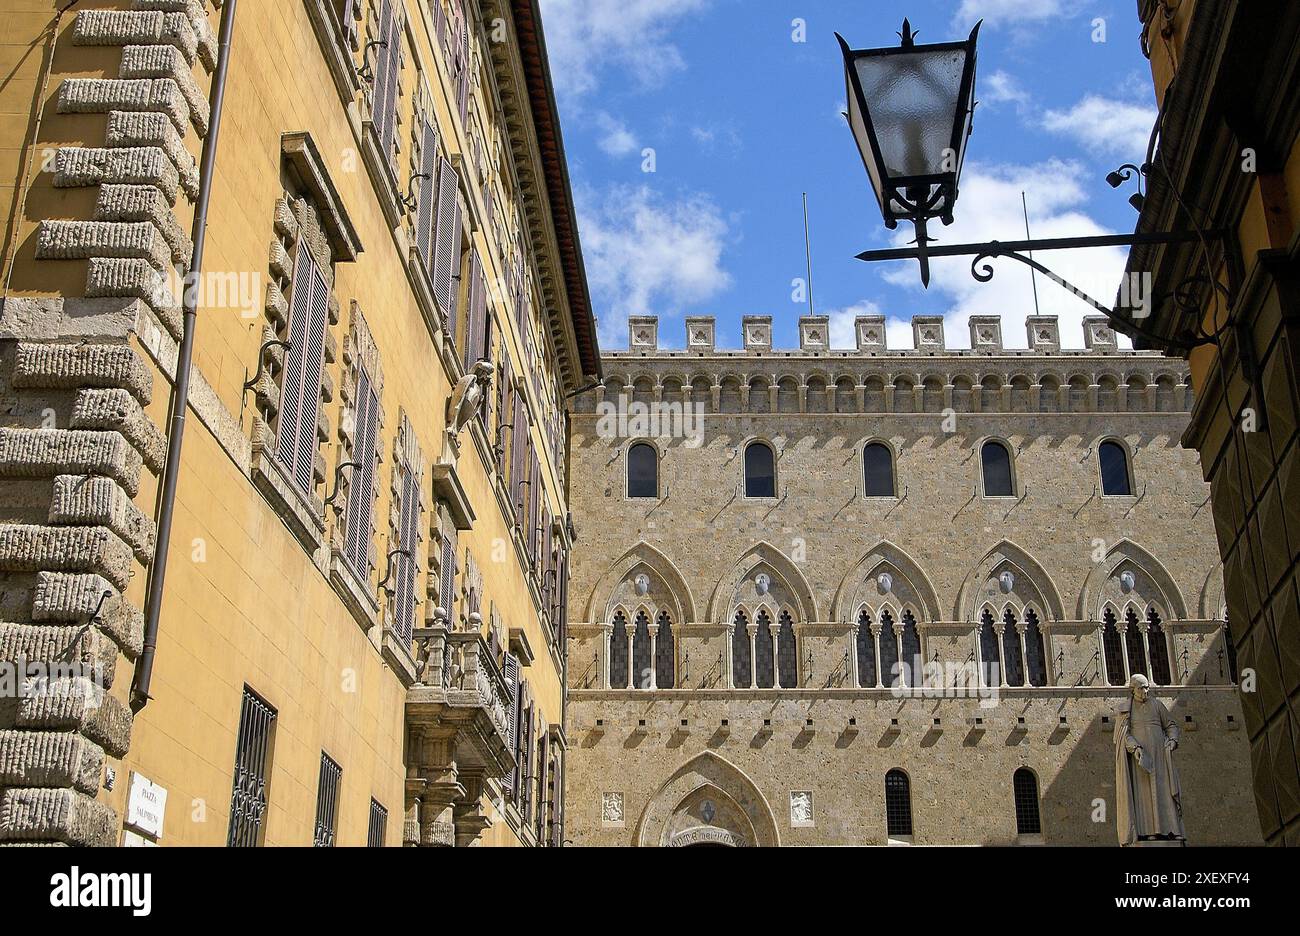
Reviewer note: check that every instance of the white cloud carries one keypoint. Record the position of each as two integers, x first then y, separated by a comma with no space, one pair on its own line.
1008,12
584,37
641,249
1105,126
990,209
1002,88
615,138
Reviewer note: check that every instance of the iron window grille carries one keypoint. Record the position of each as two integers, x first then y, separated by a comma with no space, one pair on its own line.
327,802
1025,788
898,803
378,825
252,756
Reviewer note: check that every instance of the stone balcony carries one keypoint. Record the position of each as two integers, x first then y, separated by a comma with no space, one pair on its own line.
458,723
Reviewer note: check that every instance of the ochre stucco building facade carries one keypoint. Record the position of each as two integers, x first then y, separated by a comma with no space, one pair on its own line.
742,587
360,634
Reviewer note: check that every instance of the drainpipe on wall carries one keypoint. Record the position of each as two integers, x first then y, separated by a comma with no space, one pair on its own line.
180,397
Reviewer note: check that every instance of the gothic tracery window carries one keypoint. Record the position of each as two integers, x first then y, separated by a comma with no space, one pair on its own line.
618,653
911,652
665,654
741,662
764,672
1137,654
1113,649
1012,660
866,651
787,653
990,668
889,672
1158,646
641,662
1035,650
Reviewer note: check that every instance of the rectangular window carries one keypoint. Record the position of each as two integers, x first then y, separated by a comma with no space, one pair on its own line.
252,758
361,490
476,324
378,825
447,572
388,58
446,245
327,801
408,540
427,208
303,361
510,669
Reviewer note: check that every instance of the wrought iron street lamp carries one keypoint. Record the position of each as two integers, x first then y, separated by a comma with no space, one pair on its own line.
910,109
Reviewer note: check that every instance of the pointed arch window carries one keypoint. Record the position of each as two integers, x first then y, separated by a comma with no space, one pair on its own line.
910,640
1113,462
1158,650
665,653
641,661
866,651
878,470
1113,649
1013,661
618,653
1024,787
742,663
1035,650
1135,645
787,654
898,803
990,665
760,470
764,660
888,649
995,459
642,471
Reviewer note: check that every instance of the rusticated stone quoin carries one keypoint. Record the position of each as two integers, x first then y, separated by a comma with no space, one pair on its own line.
50,759
77,366
79,166
72,598
35,453
50,815
117,410
82,499
76,703
28,548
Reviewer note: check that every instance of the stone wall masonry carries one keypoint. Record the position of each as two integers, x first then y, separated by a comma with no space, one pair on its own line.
77,358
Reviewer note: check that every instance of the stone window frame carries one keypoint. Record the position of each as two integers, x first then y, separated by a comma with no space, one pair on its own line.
355,584
309,209
1129,467
340,41
1011,460
893,468
743,449
408,459
627,473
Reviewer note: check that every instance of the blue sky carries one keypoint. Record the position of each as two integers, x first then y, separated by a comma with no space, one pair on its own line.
740,118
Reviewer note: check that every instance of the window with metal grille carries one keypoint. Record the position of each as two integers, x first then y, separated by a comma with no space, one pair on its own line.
359,520
327,801
252,758
378,825
303,361
898,803
1025,789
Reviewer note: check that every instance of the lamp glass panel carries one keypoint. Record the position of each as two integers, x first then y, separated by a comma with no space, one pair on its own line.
913,98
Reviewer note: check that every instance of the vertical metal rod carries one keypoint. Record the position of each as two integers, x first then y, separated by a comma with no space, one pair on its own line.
807,250
1033,276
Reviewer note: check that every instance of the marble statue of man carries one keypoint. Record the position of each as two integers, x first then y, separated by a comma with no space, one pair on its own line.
1148,796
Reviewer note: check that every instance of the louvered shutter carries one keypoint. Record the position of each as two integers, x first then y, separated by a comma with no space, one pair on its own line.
518,443
409,539
446,245
473,311
361,496
462,78
447,573
389,57
510,669
300,399
427,210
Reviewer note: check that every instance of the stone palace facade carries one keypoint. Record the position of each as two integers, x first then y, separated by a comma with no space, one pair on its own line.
1021,528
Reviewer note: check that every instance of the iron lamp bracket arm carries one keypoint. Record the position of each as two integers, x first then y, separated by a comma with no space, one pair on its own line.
338,479
383,585
251,382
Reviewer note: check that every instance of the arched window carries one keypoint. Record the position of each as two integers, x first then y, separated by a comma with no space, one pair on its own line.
1012,659
911,650
764,662
996,460
1158,646
642,471
760,470
641,661
1024,787
742,666
787,654
866,650
1133,643
888,650
618,653
1114,649
990,668
1114,469
898,803
1035,650
878,470
665,654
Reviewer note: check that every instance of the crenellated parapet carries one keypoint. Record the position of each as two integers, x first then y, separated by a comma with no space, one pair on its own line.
928,377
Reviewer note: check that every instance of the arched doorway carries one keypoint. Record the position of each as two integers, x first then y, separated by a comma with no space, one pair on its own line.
708,801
